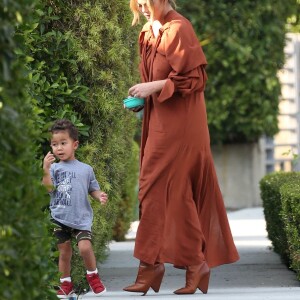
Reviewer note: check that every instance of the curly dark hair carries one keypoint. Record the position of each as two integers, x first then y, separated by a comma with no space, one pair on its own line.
64,124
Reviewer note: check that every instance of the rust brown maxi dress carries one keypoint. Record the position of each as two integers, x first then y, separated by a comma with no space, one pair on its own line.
182,216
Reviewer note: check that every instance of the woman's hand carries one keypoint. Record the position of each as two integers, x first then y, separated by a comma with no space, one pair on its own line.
143,90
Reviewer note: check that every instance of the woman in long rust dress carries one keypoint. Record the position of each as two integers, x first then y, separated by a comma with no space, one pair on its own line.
183,220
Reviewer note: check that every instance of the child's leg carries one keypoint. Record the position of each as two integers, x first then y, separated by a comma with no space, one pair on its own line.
64,236
84,242
65,255
87,254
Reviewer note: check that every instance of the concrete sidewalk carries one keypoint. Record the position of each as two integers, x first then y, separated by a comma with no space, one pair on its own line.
258,275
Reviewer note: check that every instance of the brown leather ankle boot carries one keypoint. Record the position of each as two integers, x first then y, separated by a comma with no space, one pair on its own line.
196,277
148,276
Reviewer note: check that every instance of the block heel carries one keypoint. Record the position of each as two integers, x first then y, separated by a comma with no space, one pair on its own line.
204,281
196,277
157,280
148,276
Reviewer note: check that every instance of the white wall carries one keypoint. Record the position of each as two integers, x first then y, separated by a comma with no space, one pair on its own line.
239,169
286,142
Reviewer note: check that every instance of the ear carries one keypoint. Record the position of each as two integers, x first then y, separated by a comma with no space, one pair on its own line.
76,144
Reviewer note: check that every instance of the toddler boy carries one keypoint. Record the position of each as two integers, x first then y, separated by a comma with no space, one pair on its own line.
69,182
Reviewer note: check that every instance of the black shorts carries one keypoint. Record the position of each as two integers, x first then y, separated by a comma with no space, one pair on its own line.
64,233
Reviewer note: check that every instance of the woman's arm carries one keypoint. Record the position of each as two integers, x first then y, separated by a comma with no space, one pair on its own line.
184,84
143,90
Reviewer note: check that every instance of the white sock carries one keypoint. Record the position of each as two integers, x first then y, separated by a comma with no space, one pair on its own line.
65,279
92,272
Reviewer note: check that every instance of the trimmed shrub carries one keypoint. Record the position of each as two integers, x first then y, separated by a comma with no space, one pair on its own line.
244,45
270,186
81,59
128,206
25,246
290,195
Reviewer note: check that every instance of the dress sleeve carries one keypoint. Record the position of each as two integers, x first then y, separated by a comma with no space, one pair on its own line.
187,60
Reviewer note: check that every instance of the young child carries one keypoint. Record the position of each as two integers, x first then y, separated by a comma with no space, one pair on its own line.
69,182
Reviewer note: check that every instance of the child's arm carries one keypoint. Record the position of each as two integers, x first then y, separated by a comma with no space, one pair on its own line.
99,195
47,181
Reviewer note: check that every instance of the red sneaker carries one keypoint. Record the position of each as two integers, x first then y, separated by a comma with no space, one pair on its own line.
96,284
65,289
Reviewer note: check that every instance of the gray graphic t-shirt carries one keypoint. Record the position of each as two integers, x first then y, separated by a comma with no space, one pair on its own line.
73,181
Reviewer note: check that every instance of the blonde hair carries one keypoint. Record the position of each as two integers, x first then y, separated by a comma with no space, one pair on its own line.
136,12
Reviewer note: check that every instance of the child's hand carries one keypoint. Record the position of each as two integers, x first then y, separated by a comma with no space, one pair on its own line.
103,198
100,196
48,160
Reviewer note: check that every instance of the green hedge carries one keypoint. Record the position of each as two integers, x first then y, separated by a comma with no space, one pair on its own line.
290,195
80,59
129,205
281,209
25,247
84,62
244,45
